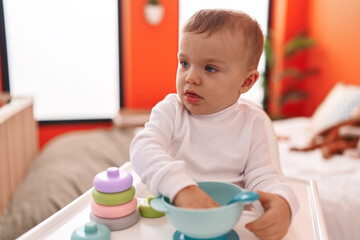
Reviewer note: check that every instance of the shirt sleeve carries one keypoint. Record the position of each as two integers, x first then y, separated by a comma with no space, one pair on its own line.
261,173
149,153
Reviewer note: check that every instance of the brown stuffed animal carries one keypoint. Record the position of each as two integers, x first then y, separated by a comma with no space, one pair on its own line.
331,141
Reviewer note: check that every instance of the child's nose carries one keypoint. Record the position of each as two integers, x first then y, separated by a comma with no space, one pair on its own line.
193,78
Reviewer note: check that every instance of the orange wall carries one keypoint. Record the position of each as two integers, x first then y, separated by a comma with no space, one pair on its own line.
51,130
149,54
289,18
336,27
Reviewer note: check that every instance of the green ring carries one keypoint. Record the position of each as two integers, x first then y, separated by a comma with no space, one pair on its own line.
111,199
147,211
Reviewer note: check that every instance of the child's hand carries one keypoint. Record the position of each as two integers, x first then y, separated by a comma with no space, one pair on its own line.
194,197
275,222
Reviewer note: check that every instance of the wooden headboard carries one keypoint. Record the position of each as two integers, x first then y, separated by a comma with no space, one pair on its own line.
18,145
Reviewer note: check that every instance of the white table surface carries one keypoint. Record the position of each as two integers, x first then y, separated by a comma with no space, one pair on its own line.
308,223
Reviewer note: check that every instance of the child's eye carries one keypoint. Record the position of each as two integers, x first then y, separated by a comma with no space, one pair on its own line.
184,64
210,69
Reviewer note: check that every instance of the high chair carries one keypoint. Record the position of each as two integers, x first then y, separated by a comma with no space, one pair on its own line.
307,224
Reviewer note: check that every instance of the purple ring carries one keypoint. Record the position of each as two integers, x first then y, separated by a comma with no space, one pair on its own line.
113,180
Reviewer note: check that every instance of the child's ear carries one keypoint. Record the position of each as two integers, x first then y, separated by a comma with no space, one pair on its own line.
250,80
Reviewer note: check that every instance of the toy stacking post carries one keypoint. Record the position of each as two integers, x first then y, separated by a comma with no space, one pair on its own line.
114,203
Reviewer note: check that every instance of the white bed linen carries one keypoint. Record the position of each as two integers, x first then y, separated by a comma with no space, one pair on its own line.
338,178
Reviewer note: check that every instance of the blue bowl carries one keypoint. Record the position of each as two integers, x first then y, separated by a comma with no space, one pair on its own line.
205,223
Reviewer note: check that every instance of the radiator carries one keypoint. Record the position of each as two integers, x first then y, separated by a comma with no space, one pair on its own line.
18,145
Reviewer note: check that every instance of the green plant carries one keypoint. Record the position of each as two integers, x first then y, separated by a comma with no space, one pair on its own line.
153,2
292,75
298,43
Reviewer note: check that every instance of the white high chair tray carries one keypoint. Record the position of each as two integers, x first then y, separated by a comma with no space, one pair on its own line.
308,223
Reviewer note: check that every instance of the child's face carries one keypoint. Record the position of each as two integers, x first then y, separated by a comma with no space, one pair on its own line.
212,72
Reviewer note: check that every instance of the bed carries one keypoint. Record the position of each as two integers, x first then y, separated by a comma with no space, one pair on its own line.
337,178
65,168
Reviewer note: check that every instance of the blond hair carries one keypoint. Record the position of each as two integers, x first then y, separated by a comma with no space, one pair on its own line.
211,21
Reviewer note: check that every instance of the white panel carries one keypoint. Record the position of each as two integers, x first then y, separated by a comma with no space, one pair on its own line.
258,10
65,53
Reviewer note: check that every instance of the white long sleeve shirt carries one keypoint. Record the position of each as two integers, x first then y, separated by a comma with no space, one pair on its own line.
178,148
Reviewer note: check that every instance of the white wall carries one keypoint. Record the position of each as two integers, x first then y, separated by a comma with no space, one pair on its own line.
64,53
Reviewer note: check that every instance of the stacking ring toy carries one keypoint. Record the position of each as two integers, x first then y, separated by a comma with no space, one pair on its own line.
113,180
115,224
91,230
110,199
116,211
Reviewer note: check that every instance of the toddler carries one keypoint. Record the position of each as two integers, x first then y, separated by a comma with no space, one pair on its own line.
204,133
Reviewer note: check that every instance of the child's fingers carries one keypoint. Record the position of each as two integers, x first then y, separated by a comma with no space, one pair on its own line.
271,232
193,197
266,229
273,224
265,221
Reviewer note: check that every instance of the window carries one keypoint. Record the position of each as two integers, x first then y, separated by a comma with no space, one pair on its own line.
259,10
65,54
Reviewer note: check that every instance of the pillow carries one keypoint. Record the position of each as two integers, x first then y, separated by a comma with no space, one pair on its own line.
336,107
63,171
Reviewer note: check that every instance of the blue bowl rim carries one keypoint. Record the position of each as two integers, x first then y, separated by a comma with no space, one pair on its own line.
168,205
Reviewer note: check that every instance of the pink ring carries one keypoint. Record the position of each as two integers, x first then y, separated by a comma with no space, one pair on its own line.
116,211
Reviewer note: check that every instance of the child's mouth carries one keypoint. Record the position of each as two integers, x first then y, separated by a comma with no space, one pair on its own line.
192,97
